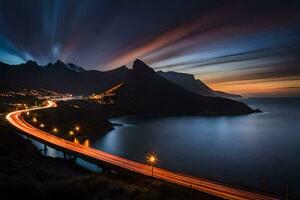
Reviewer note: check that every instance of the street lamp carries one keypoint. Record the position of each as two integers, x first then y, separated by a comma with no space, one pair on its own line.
42,125
27,113
77,128
152,160
54,130
34,120
71,132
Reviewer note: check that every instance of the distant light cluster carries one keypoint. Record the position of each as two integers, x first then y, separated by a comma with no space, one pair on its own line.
39,94
105,97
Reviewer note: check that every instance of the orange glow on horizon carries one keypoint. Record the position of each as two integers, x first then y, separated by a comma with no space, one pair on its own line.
260,87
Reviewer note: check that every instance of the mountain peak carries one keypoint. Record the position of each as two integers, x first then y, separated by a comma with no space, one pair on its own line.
31,62
59,62
58,65
141,67
121,69
75,68
66,66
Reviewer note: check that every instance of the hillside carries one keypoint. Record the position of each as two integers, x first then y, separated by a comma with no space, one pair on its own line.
144,91
189,82
147,92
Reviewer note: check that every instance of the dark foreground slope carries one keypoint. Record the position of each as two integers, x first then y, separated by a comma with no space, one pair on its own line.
26,174
145,92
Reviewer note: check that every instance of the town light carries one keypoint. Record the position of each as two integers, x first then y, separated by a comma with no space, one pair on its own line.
71,132
42,125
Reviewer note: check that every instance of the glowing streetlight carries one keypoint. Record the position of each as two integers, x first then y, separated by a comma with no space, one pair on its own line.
42,125
34,120
54,130
27,113
71,132
152,160
77,128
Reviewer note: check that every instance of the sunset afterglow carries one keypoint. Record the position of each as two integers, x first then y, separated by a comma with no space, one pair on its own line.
234,47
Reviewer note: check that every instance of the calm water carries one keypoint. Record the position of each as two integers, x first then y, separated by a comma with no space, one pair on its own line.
257,151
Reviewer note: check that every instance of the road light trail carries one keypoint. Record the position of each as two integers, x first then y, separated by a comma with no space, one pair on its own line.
210,187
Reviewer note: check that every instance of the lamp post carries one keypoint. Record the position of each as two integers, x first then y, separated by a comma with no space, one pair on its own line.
152,160
77,128
34,120
54,130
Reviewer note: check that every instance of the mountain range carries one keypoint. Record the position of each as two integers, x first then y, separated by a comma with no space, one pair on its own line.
143,91
59,77
31,75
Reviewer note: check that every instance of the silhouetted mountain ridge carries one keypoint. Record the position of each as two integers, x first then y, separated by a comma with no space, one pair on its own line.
141,68
189,82
143,91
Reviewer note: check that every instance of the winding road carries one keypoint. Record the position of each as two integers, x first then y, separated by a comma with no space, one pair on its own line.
210,187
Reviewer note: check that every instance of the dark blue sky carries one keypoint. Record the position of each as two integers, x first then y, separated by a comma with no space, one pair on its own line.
248,47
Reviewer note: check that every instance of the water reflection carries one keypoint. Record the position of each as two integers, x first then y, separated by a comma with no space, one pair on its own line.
236,150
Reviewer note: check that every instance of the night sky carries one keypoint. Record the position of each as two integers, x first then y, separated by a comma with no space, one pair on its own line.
246,47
